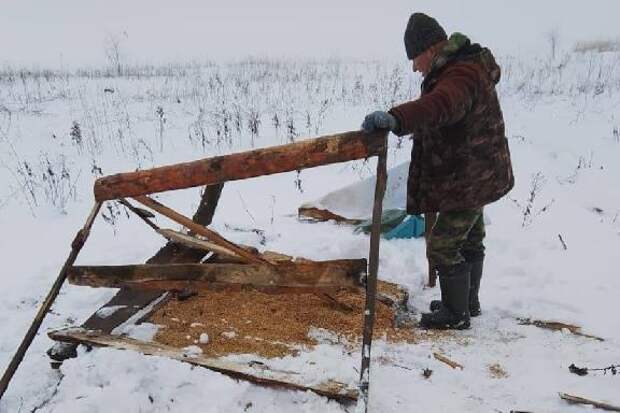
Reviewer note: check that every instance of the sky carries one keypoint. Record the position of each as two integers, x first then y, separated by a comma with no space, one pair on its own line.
73,32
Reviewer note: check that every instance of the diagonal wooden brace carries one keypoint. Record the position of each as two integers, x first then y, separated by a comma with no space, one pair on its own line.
213,236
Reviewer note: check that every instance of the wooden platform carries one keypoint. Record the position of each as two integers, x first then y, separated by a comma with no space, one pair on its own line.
135,305
255,372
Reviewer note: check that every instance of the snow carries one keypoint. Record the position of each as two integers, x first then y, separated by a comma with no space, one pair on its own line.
130,325
143,331
229,334
204,338
192,351
562,124
106,312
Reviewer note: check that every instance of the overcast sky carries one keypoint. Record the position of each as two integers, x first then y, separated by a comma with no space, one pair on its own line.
72,32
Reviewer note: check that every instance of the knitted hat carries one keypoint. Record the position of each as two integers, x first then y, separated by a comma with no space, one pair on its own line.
422,32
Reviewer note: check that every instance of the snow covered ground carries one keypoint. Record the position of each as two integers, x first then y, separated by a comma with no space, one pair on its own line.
58,132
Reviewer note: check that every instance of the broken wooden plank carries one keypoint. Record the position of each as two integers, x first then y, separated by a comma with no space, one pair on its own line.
312,275
581,400
213,236
322,215
296,156
244,371
557,326
446,360
194,242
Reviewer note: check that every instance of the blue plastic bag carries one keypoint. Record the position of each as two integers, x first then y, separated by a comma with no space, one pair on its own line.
411,227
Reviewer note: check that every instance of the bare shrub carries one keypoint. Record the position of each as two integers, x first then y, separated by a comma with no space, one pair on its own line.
528,208
113,48
57,182
553,37
76,136
161,122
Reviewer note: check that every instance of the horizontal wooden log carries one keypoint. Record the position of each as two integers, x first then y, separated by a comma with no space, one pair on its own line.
298,275
253,372
284,158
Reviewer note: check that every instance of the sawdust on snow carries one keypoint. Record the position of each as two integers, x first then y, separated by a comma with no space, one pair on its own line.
270,325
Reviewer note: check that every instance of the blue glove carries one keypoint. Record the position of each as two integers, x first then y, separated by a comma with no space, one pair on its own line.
379,120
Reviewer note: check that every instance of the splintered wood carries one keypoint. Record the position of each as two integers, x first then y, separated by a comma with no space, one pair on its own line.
270,325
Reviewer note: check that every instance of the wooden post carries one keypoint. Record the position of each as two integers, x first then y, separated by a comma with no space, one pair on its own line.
373,267
76,246
429,222
208,203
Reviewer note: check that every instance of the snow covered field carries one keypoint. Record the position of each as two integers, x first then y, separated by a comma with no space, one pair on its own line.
552,243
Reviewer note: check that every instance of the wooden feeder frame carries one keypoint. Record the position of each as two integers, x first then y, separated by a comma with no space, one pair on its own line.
214,172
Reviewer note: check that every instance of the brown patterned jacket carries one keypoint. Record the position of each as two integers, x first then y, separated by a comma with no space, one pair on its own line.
460,157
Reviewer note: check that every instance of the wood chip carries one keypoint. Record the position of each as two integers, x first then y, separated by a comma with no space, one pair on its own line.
447,361
496,371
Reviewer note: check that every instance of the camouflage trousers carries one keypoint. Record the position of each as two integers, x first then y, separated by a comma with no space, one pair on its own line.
456,236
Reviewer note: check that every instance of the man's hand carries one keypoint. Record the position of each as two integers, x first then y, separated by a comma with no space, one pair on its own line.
379,120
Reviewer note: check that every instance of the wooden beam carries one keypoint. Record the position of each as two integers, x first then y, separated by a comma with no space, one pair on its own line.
254,372
199,229
285,158
311,275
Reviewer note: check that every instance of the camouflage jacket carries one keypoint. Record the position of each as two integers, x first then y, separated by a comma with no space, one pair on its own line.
460,157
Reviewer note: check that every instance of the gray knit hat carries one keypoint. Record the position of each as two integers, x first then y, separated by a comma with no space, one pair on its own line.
422,32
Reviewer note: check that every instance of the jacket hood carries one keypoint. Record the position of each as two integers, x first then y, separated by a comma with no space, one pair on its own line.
458,47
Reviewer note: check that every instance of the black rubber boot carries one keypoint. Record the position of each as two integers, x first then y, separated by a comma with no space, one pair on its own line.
454,311
474,287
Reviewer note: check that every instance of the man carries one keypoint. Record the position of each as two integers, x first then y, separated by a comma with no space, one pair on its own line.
460,159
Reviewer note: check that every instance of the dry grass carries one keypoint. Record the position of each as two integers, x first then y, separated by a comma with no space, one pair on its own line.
597,46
